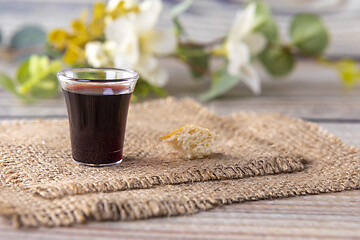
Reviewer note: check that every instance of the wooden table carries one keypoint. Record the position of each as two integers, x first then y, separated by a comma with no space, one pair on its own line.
312,93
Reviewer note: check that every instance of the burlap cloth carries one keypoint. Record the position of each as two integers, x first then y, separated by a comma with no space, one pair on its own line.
259,156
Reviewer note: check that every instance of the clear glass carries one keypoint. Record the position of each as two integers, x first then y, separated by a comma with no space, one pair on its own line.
97,101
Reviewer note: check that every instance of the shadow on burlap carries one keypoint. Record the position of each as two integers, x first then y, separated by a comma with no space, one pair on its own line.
259,156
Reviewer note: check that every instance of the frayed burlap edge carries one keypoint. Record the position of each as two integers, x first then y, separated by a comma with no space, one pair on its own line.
257,167
129,210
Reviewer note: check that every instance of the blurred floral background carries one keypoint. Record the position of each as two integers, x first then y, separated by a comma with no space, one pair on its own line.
219,45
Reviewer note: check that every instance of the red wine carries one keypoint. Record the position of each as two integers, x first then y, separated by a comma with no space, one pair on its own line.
97,117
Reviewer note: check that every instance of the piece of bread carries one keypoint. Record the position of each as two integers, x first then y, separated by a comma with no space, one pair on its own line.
192,141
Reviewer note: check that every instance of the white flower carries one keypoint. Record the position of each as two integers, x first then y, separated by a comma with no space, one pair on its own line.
127,4
138,43
241,44
100,54
114,6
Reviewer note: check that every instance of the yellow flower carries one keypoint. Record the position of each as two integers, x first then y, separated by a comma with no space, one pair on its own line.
84,31
99,10
58,37
96,29
97,25
74,54
120,8
78,26
80,39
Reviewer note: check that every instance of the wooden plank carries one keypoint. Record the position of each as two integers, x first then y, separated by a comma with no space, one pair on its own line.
204,21
311,92
313,109
310,109
329,216
348,132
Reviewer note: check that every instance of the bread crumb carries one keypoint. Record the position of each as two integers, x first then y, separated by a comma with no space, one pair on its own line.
192,141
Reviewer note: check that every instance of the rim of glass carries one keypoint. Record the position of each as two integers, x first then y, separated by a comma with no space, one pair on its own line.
134,75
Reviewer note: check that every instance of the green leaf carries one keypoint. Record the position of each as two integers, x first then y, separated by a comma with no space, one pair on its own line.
47,87
7,83
23,74
176,11
262,13
264,22
277,60
28,36
270,30
196,57
144,88
221,83
159,91
309,34
37,76
38,64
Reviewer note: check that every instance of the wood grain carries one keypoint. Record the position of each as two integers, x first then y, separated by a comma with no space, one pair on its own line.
312,92
206,20
318,96
329,216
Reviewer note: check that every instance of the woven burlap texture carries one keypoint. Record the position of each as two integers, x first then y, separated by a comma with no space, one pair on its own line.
259,156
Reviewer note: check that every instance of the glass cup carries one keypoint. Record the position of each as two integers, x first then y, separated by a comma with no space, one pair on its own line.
97,102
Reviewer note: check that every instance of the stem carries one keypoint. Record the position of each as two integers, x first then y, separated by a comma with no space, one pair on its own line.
290,48
202,45
26,87
326,62
195,66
